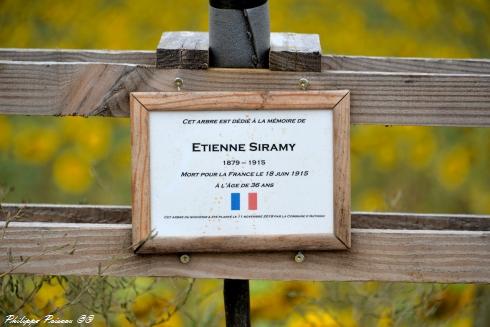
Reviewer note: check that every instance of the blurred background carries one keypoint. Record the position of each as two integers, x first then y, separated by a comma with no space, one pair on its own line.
87,160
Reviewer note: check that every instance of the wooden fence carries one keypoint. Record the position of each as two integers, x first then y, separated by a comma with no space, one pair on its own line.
92,240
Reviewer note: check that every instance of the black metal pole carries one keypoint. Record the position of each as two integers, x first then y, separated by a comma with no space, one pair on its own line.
239,33
237,302
239,37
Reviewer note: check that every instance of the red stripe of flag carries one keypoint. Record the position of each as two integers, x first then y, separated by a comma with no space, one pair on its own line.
252,201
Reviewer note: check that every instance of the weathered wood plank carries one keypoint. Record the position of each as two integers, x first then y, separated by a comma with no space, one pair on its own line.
295,52
241,100
135,57
184,50
97,214
288,51
411,65
389,255
329,62
140,164
376,98
341,175
73,213
414,221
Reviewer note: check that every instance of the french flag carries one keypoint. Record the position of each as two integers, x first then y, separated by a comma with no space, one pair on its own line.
252,201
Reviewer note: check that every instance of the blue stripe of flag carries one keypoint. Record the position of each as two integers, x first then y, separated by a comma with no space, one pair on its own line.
235,201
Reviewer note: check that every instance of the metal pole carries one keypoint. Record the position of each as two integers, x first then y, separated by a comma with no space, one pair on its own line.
239,37
237,303
239,33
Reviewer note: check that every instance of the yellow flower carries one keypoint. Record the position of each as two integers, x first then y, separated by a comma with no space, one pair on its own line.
449,302
281,298
120,320
454,167
463,322
50,296
467,295
421,153
142,305
161,309
313,318
385,156
385,319
346,318
372,200
5,132
149,307
92,136
35,145
72,173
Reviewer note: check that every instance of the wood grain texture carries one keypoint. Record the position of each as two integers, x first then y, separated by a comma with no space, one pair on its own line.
295,52
140,165
135,57
408,65
73,213
102,214
240,100
389,255
329,62
288,51
341,173
142,104
249,243
414,221
376,98
183,50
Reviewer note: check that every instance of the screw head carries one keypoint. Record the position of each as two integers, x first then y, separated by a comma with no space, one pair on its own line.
304,84
185,258
179,83
299,257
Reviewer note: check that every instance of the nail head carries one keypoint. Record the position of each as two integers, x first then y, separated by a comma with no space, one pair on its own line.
185,258
179,83
304,84
299,257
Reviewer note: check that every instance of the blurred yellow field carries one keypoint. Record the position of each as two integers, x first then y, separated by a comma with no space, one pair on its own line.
394,168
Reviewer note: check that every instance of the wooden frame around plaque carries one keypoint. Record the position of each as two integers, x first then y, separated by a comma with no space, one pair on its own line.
142,104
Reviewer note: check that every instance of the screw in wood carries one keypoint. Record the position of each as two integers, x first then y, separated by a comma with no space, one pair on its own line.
185,258
299,257
179,83
304,84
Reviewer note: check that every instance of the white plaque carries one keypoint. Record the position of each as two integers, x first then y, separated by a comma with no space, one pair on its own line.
240,179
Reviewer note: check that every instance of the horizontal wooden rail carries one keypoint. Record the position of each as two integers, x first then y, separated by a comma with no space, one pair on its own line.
329,62
408,65
137,57
84,240
48,88
100,214
389,255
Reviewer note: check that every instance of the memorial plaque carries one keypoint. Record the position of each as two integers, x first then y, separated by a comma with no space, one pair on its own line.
240,171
